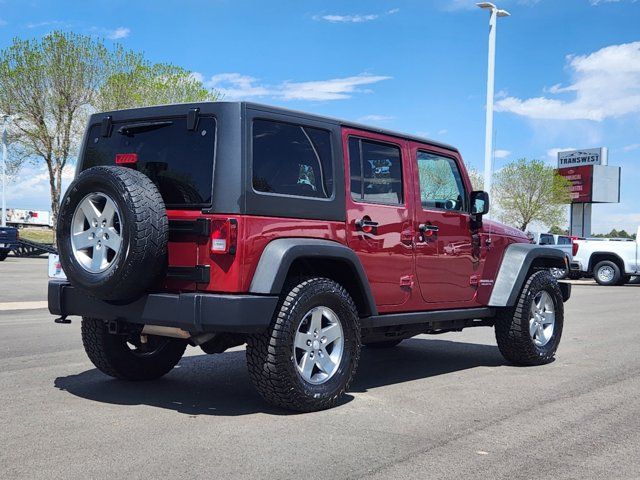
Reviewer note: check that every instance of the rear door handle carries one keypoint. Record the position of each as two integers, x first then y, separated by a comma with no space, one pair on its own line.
366,225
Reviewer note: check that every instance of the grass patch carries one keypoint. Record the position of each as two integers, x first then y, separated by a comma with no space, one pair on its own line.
40,235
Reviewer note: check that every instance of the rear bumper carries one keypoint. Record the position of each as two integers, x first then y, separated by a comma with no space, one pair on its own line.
574,266
193,312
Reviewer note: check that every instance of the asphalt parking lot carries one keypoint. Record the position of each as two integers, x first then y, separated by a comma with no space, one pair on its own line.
435,407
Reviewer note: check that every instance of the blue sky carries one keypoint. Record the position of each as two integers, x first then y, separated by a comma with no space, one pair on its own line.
568,71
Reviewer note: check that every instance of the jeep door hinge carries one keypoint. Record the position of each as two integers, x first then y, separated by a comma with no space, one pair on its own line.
406,281
473,280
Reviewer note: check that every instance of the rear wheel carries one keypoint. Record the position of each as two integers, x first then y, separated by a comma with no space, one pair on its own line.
130,357
309,355
529,333
3,256
606,273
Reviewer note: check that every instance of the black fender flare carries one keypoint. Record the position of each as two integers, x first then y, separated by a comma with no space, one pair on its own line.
279,255
516,263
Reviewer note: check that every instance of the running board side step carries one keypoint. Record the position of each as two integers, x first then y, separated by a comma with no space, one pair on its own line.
437,319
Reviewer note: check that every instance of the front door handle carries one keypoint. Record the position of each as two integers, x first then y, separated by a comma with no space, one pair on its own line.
427,230
366,225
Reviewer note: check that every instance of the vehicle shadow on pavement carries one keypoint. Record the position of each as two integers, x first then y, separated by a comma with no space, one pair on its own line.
219,384
419,358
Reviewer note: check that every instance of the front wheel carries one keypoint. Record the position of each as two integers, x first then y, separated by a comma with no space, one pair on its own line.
306,360
529,333
130,357
3,256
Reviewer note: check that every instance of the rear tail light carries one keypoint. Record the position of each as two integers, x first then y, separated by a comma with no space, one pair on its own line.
224,236
574,248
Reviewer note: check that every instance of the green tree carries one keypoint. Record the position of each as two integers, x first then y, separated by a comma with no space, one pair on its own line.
555,230
138,83
477,179
50,86
528,191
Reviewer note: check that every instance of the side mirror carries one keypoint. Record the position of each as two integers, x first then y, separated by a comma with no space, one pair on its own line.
479,203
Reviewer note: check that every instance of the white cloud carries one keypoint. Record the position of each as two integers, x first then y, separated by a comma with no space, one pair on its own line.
374,118
595,3
48,23
443,131
3,22
606,84
356,18
501,153
629,148
235,86
30,188
553,152
118,33
455,5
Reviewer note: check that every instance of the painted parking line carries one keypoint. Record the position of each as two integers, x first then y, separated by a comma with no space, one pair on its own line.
22,305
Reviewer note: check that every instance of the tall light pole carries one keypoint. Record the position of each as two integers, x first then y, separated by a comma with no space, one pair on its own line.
488,139
5,120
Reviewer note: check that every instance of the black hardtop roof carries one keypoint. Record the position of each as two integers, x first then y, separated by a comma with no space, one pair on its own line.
157,110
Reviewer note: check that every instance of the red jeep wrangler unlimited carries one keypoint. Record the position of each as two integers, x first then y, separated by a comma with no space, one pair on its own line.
305,237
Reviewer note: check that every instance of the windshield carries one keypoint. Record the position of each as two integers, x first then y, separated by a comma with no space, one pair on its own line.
179,161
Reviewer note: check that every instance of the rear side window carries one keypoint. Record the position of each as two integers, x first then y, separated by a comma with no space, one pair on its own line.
177,160
292,159
376,172
564,240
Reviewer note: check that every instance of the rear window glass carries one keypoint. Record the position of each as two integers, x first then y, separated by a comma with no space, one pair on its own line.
546,240
177,160
292,159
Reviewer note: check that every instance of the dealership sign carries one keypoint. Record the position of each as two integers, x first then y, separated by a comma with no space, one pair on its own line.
588,156
580,178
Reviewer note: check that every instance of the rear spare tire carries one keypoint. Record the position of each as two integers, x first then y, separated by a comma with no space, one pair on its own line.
112,233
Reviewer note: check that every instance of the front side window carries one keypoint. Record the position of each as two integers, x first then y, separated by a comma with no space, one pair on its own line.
376,172
441,185
292,159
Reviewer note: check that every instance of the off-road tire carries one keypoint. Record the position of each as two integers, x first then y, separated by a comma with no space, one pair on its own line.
512,324
383,343
112,356
143,255
270,355
3,256
616,273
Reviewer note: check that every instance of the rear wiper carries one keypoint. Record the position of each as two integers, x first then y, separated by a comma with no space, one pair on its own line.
142,127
